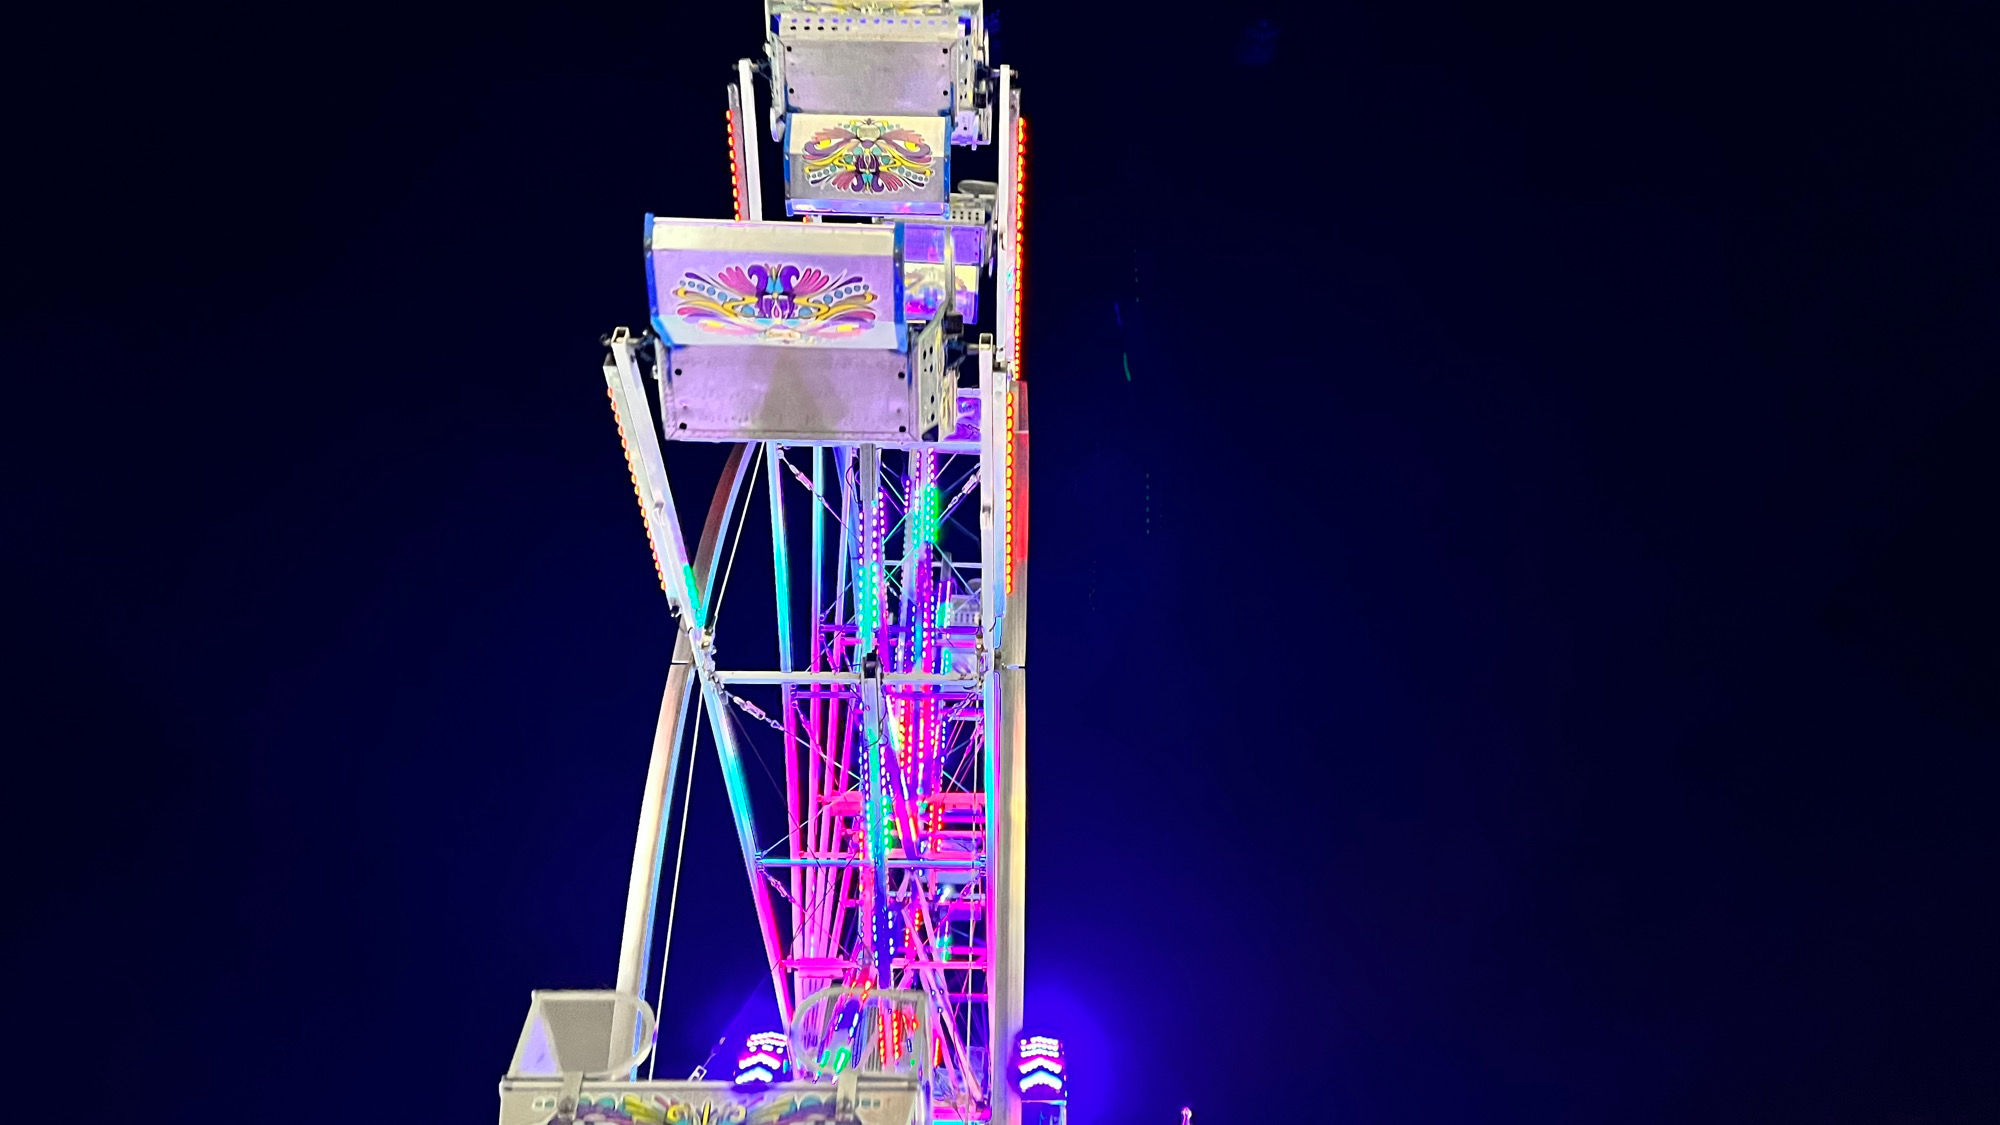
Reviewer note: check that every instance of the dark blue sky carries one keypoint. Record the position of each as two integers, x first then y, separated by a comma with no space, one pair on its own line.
1519,647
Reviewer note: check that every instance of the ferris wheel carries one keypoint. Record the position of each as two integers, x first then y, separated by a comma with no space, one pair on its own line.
859,363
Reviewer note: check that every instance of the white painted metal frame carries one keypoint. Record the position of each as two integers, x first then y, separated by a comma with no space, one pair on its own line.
954,864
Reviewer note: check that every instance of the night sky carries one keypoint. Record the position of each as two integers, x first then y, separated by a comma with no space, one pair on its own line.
1513,622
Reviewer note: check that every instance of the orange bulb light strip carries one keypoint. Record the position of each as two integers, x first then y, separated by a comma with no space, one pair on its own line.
735,174
632,468
1008,437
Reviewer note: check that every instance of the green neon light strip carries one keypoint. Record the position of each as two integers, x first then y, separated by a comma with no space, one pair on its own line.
699,605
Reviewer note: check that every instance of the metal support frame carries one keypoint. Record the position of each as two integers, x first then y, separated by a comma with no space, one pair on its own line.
937,870
1006,624
642,894
629,401
903,722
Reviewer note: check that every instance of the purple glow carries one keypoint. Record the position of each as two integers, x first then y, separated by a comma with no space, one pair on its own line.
968,417
924,242
968,245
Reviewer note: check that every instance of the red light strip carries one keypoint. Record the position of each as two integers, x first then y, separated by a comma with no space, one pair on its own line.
735,177
1014,360
1020,232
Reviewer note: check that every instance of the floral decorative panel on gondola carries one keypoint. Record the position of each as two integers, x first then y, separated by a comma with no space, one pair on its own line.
859,164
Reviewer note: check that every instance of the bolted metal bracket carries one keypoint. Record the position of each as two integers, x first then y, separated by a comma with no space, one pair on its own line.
566,1101
847,1089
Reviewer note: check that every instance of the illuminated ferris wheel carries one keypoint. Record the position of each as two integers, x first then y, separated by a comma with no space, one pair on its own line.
858,364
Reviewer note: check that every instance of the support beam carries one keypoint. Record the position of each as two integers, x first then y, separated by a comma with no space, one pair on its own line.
750,181
649,849
1008,800
992,495
635,425
686,594
663,765
781,555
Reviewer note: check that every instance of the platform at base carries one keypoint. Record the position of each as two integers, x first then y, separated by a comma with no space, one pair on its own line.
882,1100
